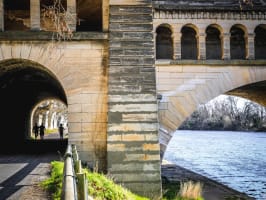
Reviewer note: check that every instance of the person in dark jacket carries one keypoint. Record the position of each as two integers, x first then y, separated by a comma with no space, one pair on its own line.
36,130
61,131
42,129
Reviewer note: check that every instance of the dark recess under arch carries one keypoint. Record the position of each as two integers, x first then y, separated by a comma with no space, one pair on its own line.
213,43
237,43
189,47
260,42
164,43
22,85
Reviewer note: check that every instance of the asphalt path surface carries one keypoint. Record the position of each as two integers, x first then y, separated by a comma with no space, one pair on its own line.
21,174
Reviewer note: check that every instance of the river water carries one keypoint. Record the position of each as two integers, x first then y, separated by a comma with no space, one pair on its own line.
236,159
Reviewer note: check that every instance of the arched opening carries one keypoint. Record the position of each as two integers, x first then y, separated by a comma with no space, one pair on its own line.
164,43
189,47
213,43
220,133
24,84
50,113
260,42
237,43
16,15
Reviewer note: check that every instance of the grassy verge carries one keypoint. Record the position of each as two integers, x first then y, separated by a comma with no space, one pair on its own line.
54,183
101,187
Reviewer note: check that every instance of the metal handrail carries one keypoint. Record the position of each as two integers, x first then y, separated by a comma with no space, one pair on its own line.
69,189
74,181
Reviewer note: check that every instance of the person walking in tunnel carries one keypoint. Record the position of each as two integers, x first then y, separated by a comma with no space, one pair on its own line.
36,130
61,131
42,129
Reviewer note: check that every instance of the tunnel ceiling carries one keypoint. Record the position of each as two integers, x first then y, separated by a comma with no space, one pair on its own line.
25,77
255,92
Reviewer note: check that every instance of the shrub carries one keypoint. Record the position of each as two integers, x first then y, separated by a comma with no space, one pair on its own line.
190,191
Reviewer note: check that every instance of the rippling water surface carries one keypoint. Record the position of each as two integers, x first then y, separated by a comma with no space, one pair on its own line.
236,159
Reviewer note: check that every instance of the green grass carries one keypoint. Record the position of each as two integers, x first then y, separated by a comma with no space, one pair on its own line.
49,131
103,188
170,190
99,186
54,183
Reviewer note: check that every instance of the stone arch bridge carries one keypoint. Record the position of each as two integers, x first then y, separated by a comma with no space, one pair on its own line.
183,86
110,80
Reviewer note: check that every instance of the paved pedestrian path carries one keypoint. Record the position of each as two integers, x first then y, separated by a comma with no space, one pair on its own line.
21,175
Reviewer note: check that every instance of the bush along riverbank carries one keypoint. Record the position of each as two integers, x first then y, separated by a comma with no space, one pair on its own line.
226,114
101,187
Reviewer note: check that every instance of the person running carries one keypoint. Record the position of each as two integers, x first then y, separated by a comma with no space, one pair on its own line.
42,129
61,131
36,130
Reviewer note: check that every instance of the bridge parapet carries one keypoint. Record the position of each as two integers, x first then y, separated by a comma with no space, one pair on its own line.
230,26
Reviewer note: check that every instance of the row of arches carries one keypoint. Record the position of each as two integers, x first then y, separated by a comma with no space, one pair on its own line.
214,42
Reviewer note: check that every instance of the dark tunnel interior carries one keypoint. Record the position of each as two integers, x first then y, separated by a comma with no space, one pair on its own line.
23,84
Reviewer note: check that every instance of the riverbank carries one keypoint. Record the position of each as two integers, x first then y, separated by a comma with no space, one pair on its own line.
212,190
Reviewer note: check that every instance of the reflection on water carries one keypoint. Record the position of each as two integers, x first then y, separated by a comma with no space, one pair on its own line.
236,159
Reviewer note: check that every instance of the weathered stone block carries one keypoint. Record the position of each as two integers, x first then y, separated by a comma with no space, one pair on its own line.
130,27
132,98
131,44
125,127
140,18
114,117
151,117
129,9
127,108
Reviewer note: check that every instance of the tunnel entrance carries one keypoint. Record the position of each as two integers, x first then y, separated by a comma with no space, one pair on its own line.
24,84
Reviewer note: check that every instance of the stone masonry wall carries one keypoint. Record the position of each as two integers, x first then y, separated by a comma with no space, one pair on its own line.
81,68
132,132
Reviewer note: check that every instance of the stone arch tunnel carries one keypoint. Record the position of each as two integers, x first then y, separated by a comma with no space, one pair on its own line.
23,84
